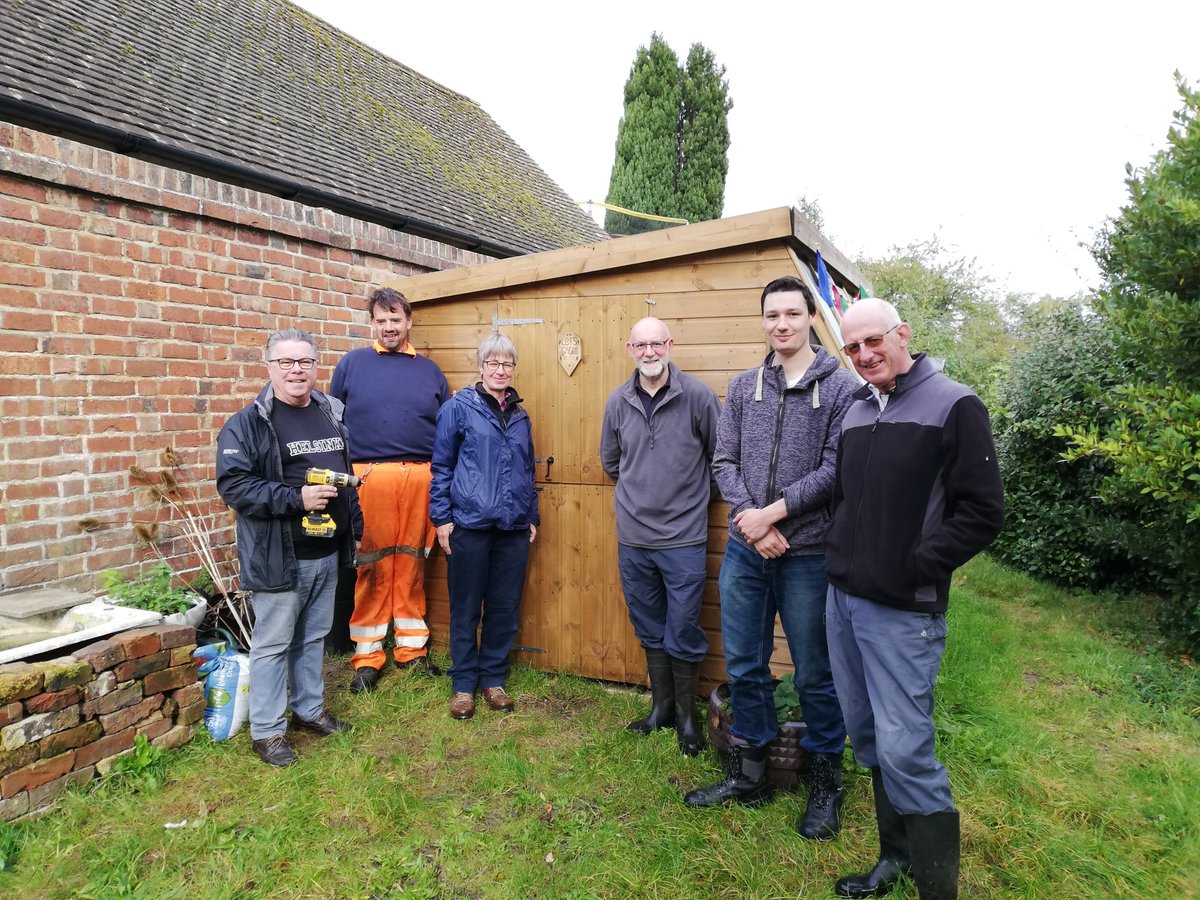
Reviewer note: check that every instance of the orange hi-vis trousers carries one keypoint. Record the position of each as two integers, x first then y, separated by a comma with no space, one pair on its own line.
397,539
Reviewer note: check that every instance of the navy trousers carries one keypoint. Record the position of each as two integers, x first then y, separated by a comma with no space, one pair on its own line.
485,577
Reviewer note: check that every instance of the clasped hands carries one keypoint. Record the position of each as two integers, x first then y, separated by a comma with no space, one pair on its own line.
757,526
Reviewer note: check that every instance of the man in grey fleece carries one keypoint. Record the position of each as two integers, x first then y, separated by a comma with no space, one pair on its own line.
776,453
656,443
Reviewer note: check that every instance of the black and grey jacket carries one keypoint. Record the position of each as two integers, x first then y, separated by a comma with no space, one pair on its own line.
918,491
250,480
774,441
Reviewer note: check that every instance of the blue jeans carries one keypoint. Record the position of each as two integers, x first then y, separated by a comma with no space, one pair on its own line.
287,648
485,576
663,590
885,663
753,590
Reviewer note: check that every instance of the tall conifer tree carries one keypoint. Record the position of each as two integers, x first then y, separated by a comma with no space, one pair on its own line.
673,140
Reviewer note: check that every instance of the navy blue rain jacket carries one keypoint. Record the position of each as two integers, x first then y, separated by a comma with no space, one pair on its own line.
483,469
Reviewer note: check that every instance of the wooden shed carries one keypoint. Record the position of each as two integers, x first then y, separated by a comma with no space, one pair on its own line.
704,281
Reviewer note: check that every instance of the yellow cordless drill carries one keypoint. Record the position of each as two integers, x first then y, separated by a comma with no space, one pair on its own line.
322,524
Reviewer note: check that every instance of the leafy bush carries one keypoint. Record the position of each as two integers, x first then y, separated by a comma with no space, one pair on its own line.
152,590
1055,528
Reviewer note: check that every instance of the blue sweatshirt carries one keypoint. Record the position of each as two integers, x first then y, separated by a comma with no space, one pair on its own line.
391,400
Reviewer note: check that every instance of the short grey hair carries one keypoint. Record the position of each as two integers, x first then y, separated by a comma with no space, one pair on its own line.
495,344
291,334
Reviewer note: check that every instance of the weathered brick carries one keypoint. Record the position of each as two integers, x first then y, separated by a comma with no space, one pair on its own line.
107,746
44,703
11,760
34,728
139,641
64,672
143,665
130,715
193,712
41,797
154,726
102,654
171,636
124,695
36,773
102,684
186,696
18,681
14,808
104,766
167,679
54,744
11,712
182,655
176,737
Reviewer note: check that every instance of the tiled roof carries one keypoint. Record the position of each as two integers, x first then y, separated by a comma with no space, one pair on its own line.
265,86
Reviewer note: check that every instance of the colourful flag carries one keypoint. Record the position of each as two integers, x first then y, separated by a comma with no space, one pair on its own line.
824,285
837,300
863,292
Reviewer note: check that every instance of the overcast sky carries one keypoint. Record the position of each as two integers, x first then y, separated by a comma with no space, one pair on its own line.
1003,129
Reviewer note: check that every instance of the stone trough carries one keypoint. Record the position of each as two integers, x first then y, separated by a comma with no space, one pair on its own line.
33,623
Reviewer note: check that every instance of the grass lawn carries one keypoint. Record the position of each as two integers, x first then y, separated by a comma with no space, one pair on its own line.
1072,749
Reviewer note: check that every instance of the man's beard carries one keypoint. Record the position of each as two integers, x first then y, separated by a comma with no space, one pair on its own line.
652,370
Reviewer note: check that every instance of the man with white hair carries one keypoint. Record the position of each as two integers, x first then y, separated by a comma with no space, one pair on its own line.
657,442
917,494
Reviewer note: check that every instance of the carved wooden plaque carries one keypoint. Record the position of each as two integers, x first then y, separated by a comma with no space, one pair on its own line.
570,351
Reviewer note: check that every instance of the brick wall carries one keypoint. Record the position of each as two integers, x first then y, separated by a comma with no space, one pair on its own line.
66,721
135,302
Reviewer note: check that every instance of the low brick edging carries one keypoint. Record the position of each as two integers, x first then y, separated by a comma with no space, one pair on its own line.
66,721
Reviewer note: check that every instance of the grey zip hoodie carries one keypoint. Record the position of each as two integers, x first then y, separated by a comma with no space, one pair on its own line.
774,441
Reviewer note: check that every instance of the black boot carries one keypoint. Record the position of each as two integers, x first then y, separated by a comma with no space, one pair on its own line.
662,694
934,845
745,780
893,850
823,817
687,732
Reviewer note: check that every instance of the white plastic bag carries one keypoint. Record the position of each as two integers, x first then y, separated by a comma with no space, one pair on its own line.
226,689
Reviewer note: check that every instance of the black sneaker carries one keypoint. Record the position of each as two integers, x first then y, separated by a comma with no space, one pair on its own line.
419,665
274,751
324,724
364,680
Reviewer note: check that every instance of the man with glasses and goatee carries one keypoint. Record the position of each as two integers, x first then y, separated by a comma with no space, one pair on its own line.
657,442
917,494
263,454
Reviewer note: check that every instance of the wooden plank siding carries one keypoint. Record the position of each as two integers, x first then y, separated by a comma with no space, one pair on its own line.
704,281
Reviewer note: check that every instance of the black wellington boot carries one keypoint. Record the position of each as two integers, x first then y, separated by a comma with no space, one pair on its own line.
934,845
893,850
691,741
823,816
662,694
745,780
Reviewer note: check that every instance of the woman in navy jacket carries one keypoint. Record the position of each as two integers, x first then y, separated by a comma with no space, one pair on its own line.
484,506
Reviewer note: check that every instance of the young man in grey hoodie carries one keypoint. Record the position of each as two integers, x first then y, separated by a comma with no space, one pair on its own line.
776,454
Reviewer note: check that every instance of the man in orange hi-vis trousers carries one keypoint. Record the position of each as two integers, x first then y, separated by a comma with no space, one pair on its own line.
392,396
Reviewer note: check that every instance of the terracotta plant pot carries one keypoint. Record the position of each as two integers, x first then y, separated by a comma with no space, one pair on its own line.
786,760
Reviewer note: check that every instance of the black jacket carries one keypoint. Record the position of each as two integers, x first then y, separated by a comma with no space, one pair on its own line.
250,480
917,493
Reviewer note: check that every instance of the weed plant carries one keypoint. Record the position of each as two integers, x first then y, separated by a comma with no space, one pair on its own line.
1072,749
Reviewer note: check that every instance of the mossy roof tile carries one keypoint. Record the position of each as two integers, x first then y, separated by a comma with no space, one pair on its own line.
264,85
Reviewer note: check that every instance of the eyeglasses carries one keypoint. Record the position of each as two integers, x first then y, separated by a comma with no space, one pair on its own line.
493,364
287,364
642,346
871,342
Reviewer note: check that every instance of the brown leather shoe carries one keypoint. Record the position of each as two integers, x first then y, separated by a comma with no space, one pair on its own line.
274,750
462,705
324,724
497,698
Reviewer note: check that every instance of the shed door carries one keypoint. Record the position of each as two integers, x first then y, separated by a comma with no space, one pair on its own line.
573,615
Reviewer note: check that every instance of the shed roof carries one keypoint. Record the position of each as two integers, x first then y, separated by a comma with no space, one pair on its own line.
784,224
264,90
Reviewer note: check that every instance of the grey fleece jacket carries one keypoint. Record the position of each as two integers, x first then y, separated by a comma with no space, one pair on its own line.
774,441
661,466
